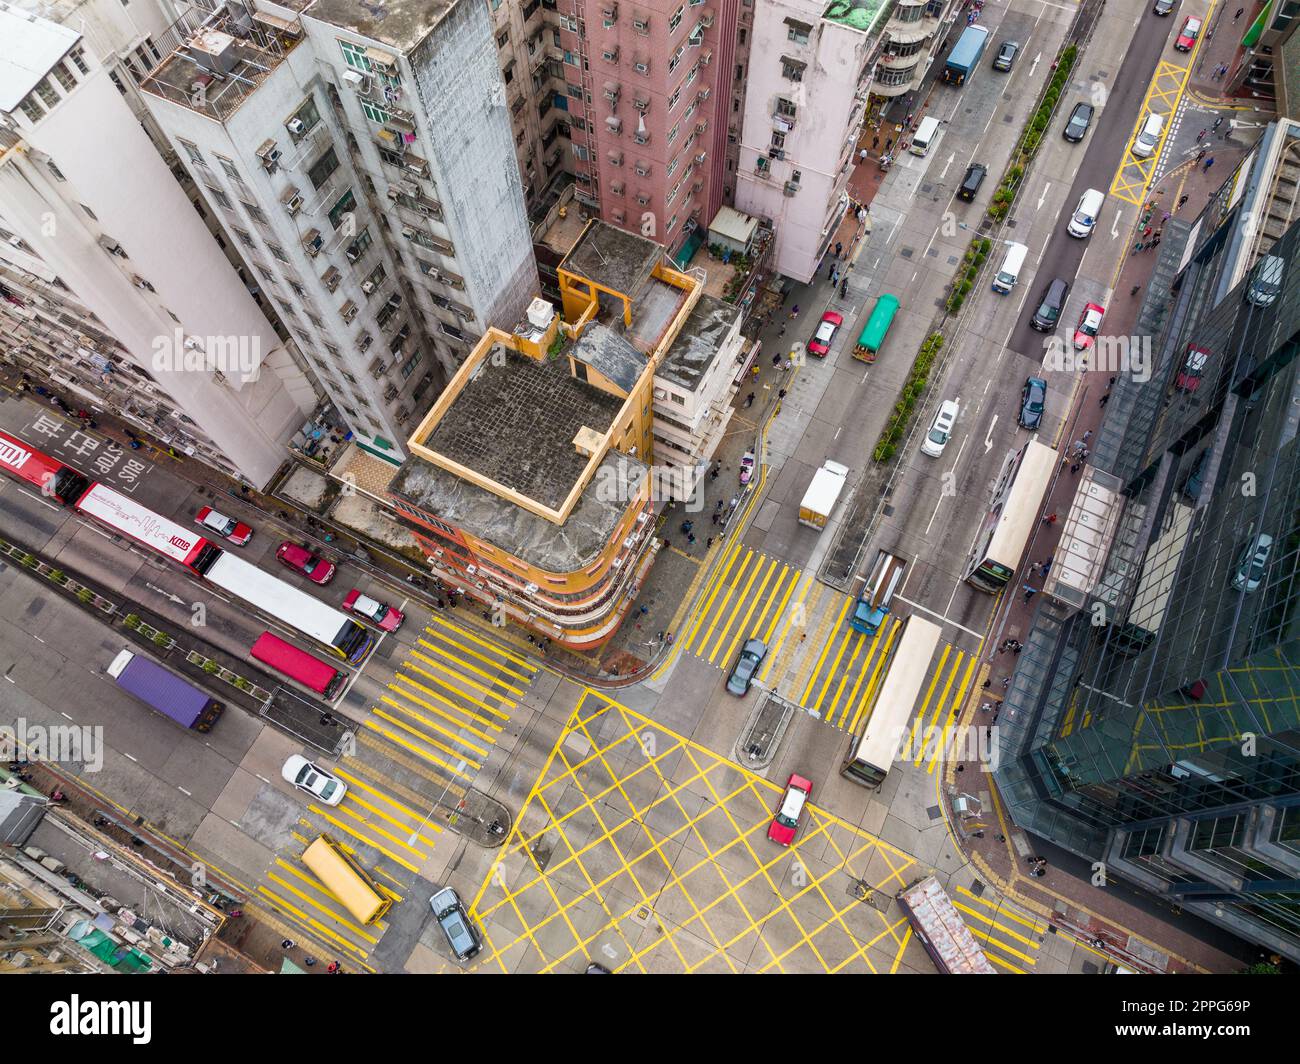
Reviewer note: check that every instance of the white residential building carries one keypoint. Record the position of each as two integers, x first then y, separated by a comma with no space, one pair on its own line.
112,282
810,69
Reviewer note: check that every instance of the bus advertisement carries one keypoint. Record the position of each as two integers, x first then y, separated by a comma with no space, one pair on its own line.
344,878
54,479
872,754
877,328
1004,534
288,660
114,510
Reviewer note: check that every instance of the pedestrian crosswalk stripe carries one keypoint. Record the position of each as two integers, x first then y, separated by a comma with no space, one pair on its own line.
916,741
954,707
423,736
846,634
860,715
741,598
743,629
426,693
729,560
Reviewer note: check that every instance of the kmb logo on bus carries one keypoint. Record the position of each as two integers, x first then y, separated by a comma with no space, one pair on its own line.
13,456
180,541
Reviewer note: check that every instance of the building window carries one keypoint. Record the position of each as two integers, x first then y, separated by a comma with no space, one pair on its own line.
322,168
375,114
228,167
792,69
277,251
45,90
797,31
32,108
308,116
254,212
786,107
64,77
89,213
675,20
78,58
193,152
220,197
345,205
245,237
55,172
357,248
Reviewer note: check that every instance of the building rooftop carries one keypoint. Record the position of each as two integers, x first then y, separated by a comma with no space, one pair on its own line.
610,355
400,24
620,261
856,14
698,343
29,48
515,421
522,533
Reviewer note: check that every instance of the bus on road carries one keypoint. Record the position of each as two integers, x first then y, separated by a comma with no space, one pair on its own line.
122,514
346,880
872,754
54,479
1005,531
287,659
942,931
877,328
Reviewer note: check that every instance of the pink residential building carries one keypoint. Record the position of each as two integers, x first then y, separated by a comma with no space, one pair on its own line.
809,75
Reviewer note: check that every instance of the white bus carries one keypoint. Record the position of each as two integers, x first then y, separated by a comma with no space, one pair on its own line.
287,604
872,754
1004,535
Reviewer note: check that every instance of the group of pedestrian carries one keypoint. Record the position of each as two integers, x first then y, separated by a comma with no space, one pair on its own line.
1220,72
1013,645
1037,866
1042,568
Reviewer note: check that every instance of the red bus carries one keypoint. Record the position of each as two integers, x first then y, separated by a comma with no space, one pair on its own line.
122,514
298,665
56,480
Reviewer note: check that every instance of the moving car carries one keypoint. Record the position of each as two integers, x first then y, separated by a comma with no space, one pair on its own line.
1144,144
1089,326
382,616
462,935
1076,128
785,825
751,657
1189,377
1252,562
970,184
1033,397
236,531
1006,56
822,339
1163,7
1049,307
1085,214
941,429
1188,34
310,777
301,560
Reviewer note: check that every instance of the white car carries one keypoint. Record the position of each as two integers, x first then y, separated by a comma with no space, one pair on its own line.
941,430
310,777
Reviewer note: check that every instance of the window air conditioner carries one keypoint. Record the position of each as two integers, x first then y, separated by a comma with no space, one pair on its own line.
296,126
367,287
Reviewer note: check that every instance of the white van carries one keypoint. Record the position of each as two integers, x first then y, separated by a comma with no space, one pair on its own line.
924,136
1006,278
1265,282
1144,144
1085,214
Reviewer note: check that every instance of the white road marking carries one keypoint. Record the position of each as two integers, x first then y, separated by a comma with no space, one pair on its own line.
988,440
946,620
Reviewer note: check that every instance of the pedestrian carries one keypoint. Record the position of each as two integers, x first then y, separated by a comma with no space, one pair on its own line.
1050,519
755,370
690,538
839,248
862,155
667,543
333,967
1238,14
708,543
1134,290
1201,135
986,707
1217,123
1138,246
888,144
1201,154
1205,168
286,944
719,506
1181,200
1111,383
875,143
786,365
1147,231
749,399
1075,468
1030,592
643,611
715,517
1018,648
794,312
1164,218
1086,437
1104,399
780,393
1047,565
776,360
668,638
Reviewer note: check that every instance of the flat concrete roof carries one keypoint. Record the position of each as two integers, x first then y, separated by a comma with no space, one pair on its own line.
400,24
29,48
698,343
856,14
609,354
620,261
515,420
555,548
734,224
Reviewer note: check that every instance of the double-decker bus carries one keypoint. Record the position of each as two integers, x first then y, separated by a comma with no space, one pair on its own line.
55,480
289,605
874,332
122,514
1004,534
287,659
871,755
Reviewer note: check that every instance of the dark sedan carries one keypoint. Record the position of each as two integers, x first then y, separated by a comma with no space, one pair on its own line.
1076,128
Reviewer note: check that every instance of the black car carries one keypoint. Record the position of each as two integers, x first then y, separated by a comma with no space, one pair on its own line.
1163,7
1033,397
1049,307
1080,119
970,184
1006,55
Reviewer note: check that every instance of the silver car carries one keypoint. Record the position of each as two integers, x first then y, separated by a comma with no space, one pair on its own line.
751,657
462,935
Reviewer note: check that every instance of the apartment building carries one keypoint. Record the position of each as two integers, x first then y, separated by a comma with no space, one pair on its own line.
112,285
810,73
360,162
1151,723
914,35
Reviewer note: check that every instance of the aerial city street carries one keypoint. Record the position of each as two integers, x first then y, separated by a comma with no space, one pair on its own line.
649,487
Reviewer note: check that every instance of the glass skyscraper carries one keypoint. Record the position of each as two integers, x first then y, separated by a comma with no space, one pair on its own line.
1152,724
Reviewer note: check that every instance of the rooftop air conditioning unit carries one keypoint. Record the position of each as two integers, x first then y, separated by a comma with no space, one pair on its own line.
642,170
365,342
643,199
292,200
367,287
641,68
357,80
641,25
629,543
331,279
313,242
296,126
270,155
353,254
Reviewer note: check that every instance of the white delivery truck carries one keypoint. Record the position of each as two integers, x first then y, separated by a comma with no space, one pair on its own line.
822,494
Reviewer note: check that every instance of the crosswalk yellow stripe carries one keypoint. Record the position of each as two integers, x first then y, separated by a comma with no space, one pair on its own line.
307,899
356,783
859,641
371,807
441,682
1035,926
772,605
954,708
311,923
821,658
496,648
491,689
491,662
741,597
744,626
802,606
872,643
724,570
348,829
461,725
398,740
875,679
918,722
728,591
460,715
845,635
975,914
494,682
411,729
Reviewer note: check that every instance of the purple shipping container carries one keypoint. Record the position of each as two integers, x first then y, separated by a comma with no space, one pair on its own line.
167,693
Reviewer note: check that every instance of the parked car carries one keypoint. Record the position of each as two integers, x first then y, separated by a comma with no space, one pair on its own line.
1033,397
785,825
1089,326
940,430
301,560
1006,56
1049,307
1252,562
462,935
1188,34
970,184
822,339
751,657
1076,127
236,531
388,618
310,777
747,467
1189,377
1196,478
1163,7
